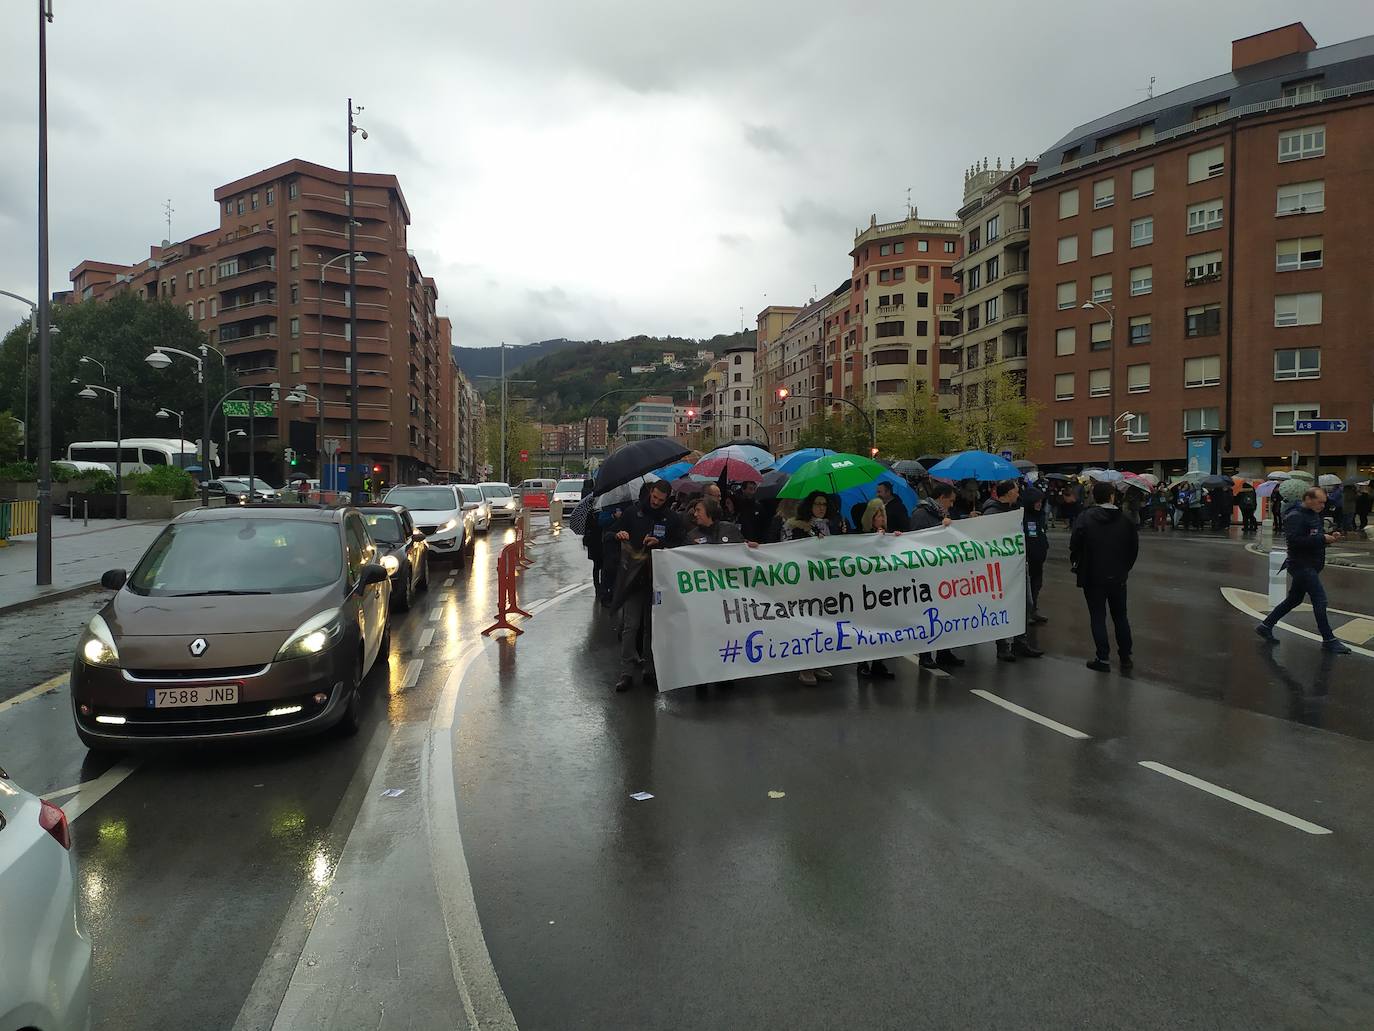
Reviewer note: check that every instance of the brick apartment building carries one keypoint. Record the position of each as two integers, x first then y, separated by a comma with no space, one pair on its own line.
1220,233
253,286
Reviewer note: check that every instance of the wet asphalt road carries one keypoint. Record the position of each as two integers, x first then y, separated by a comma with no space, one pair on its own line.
933,859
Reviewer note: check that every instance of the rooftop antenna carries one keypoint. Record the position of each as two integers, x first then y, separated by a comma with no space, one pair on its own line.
1150,89
167,210
908,202
741,318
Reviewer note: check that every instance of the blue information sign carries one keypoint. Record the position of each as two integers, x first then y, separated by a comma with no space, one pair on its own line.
1322,425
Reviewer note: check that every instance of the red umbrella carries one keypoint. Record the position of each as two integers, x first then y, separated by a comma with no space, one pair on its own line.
732,469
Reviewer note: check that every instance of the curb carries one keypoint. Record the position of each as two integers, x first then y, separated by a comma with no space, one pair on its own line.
58,595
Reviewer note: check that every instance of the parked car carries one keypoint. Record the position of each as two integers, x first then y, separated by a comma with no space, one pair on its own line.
504,503
570,492
236,487
236,622
439,514
45,955
403,550
475,501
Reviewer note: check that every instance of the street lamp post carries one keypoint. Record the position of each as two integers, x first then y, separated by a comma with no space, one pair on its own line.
828,399
354,470
159,359
43,563
117,393
180,417
1110,311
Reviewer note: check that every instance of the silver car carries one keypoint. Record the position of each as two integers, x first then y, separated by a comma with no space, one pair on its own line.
439,514
504,503
475,501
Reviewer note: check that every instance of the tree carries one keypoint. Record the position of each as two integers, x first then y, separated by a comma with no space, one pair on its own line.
847,433
917,427
119,333
1006,422
11,440
521,435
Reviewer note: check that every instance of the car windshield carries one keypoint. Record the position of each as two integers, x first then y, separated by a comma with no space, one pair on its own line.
471,494
240,556
496,490
384,527
568,487
422,499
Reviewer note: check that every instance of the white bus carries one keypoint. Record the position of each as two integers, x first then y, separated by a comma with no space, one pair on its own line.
140,454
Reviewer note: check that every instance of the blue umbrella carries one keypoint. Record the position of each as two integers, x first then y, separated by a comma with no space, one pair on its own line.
676,471
791,463
975,465
867,492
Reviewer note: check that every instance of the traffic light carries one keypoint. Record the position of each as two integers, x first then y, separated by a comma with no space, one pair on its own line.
872,452
783,393
376,469
691,414
290,455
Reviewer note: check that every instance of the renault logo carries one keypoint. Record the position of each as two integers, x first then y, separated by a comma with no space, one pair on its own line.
198,647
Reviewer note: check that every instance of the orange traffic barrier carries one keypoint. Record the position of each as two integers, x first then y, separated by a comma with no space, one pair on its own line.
524,558
507,604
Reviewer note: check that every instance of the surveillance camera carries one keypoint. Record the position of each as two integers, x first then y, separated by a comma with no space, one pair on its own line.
364,133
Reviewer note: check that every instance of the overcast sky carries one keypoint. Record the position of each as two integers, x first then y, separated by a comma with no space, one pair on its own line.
580,168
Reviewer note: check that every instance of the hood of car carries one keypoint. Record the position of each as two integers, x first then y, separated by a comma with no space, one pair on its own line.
133,615
433,517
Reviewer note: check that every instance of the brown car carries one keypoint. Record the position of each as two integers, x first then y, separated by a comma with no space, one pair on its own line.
237,622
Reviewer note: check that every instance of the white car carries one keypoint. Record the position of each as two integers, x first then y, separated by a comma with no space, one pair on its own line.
475,501
570,492
504,503
440,515
45,956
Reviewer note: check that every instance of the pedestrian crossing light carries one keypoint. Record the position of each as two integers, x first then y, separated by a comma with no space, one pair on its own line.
290,455
872,452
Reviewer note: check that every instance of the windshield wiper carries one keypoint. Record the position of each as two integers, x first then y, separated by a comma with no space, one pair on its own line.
222,592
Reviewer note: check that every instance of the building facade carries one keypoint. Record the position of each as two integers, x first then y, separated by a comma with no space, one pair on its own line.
735,410
800,349
648,417
1218,235
266,288
469,427
713,399
764,407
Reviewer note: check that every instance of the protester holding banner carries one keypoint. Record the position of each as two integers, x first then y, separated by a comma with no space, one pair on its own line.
705,525
813,519
898,519
874,520
649,526
1007,498
933,511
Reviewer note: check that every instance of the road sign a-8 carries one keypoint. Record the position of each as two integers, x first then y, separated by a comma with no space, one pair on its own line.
1321,425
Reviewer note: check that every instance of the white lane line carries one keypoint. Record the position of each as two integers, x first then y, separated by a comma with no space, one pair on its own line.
1231,796
936,672
91,792
1237,598
34,692
426,637
412,676
435,613
1044,721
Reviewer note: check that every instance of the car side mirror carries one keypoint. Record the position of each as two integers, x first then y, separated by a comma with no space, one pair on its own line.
114,579
374,573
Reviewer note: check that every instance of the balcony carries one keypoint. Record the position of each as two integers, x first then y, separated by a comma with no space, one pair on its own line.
242,309
945,311
1016,238
242,242
891,309
266,272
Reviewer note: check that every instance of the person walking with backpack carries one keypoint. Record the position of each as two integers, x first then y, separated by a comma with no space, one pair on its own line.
1102,552
1307,541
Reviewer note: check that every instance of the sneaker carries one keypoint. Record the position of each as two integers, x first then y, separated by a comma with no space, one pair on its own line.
824,674
624,684
1267,632
1126,663
807,677
1335,647
1100,665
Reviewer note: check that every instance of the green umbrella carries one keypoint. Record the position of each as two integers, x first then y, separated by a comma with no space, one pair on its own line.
831,474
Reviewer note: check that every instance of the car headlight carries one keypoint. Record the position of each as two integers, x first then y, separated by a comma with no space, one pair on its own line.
447,526
97,646
391,564
313,636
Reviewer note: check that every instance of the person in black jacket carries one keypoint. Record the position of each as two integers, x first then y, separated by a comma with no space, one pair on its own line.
935,510
898,520
1307,541
1006,497
1036,524
648,525
1102,551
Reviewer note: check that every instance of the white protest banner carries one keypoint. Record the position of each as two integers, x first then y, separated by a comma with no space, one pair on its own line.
722,612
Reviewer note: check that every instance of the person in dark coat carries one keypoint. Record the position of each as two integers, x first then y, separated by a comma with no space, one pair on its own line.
648,525
1307,541
1006,497
898,520
1247,503
936,509
706,525
1102,552
1036,524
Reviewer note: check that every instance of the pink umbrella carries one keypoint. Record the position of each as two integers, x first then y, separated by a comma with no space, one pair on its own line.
735,471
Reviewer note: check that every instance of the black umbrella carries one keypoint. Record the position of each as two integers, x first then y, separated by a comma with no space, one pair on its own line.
929,460
909,467
643,456
1059,477
578,519
1354,481
1025,465
770,485
1216,481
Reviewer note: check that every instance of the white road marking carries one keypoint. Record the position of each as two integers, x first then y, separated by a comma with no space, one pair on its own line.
412,676
435,613
34,692
92,791
1044,721
1237,598
936,672
1231,796
426,637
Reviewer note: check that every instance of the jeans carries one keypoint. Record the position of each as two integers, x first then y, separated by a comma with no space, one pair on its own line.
1100,598
636,614
1306,581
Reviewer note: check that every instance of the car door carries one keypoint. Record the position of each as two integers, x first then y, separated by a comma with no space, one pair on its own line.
415,550
371,606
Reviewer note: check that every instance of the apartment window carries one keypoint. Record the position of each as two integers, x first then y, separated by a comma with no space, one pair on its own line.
1068,203
239,205
994,268
1204,371
1206,164
990,313
200,308
972,356
1065,341
213,269
1102,288
1138,379
1301,92
1100,337
1286,416
1298,310
1102,241
1204,216
295,326
296,363
200,277
190,310
1066,295
890,329
348,331
1143,181
214,307
885,276
1302,198
1212,110
271,195
228,207
1142,231
898,247
1203,266
1142,280
1302,253
885,249
254,201
295,293
1201,419
295,258
974,278
1202,321
1099,383
974,243
294,223
1141,329
992,229
1097,429
922,271
1297,144
923,328
1063,386
922,299
1068,249
1138,427
949,246
293,190
973,317
1104,193
1063,432
1298,363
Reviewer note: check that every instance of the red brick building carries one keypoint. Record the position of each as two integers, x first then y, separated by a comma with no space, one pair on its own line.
1219,234
253,285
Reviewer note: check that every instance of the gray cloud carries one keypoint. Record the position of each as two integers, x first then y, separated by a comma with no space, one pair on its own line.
809,216
769,139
